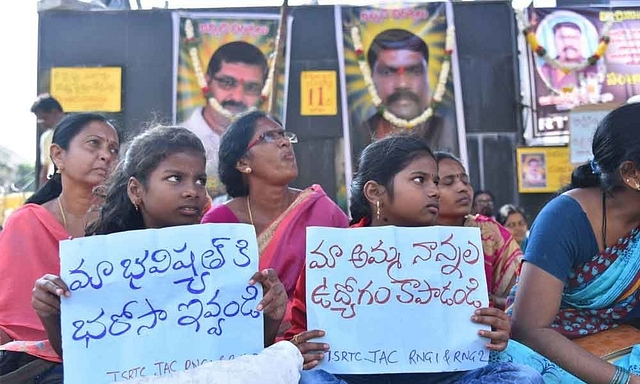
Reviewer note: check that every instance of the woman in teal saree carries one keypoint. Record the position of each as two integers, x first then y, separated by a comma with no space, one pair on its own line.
581,269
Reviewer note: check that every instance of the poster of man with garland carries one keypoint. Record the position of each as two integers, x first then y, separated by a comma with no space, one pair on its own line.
397,66
226,64
578,56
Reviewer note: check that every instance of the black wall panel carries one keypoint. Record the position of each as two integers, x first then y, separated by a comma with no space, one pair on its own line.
142,43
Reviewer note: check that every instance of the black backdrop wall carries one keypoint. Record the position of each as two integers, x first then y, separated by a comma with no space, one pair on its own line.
142,43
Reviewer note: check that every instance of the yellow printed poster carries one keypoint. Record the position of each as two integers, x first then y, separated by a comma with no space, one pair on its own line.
397,62
95,89
318,93
225,65
236,53
397,69
543,169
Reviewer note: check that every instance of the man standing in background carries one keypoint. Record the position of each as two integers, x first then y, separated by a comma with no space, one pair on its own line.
49,112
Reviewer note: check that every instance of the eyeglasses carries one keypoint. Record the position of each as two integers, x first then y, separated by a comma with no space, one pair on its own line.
272,137
229,83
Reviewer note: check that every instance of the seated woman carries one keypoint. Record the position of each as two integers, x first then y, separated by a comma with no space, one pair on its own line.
502,256
581,269
160,183
397,184
83,149
256,165
514,219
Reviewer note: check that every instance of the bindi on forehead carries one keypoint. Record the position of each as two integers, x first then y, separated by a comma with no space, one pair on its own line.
400,58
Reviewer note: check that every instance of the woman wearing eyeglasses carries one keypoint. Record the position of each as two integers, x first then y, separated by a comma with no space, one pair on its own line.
502,256
256,165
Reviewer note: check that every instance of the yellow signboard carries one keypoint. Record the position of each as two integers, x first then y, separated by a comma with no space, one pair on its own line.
10,202
543,169
79,89
318,93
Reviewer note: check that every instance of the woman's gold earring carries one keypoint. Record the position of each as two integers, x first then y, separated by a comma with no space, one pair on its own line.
378,210
135,206
248,170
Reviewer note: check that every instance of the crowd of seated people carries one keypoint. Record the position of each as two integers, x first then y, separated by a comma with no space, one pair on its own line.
577,278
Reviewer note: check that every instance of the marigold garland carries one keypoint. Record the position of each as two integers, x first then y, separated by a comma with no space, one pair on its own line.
192,43
375,98
539,50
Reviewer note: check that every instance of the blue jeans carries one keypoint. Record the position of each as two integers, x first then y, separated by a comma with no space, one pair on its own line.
493,373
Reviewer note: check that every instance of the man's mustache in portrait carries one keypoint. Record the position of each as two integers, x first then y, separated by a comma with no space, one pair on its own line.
233,104
403,94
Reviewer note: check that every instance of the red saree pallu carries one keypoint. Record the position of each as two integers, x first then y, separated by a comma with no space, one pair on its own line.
28,251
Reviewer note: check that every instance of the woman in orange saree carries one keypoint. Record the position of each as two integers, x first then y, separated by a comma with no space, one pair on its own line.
257,163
